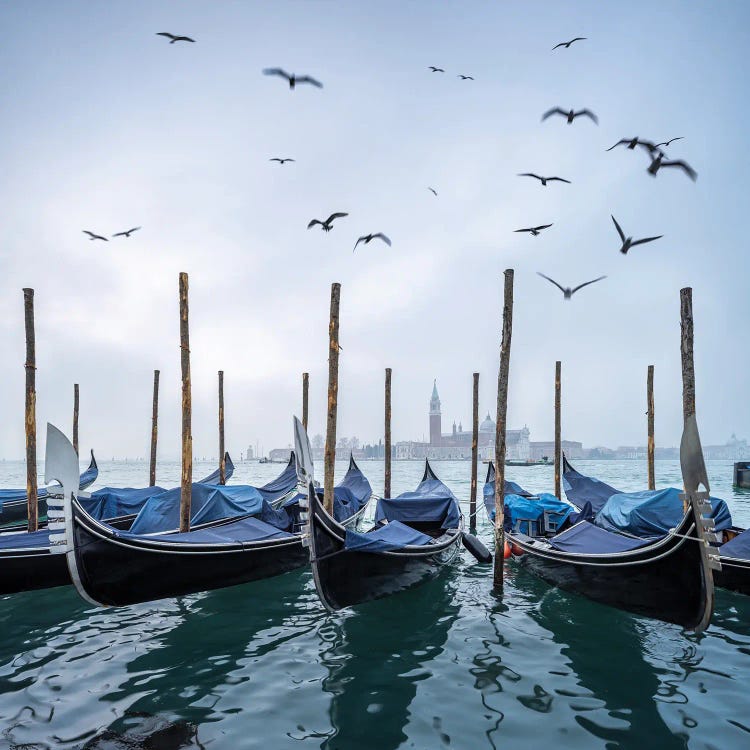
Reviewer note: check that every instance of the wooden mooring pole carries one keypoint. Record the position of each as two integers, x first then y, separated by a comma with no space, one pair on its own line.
154,430
187,436
75,417
222,460
305,397
474,454
686,356
502,412
32,506
558,427
650,411
333,395
387,446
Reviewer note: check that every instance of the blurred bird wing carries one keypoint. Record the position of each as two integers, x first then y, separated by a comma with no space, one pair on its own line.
361,239
554,111
432,190
620,142
689,171
559,179
522,230
619,229
184,39
586,283
562,44
588,113
382,237
276,72
337,215
543,226
166,34
314,222
577,39
90,234
552,281
531,174
648,145
646,239
310,79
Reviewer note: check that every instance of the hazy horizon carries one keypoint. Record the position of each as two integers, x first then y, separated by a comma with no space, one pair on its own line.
107,126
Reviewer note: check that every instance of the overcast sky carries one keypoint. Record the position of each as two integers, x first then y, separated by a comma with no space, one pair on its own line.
105,126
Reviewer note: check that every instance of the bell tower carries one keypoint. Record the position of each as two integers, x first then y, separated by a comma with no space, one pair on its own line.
435,417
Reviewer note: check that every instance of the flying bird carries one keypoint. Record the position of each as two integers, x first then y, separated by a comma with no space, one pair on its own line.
127,233
367,238
535,230
436,70
632,143
628,242
666,143
291,78
567,44
465,78
93,236
657,162
567,291
280,160
544,180
432,190
174,38
570,114
326,225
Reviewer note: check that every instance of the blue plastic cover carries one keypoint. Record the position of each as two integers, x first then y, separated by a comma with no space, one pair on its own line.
586,539
580,489
283,484
213,477
210,502
25,540
739,547
394,535
488,492
652,512
430,501
532,509
241,530
112,502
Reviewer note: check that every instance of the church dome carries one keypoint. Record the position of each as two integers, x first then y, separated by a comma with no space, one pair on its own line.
487,425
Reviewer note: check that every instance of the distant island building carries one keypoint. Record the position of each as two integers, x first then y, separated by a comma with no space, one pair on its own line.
456,444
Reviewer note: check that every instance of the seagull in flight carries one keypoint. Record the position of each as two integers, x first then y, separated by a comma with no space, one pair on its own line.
367,238
632,143
292,78
432,190
93,236
666,143
465,78
280,160
535,230
570,114
326,225
127,233
174,38
657,162
628,242
567,44
544,180
567,291
436,70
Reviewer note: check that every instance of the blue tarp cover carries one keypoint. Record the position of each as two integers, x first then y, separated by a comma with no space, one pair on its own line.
580,489
210,502
111,502
586,539
25,540
283,484
392,536
431,501
739,547
652,512
213,477
533,508
242,530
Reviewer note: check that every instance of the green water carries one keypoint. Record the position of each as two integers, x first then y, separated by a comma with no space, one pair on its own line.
447,665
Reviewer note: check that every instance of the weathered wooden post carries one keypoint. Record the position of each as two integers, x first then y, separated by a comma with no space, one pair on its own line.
558,428
387,447
75,417
686,356
651,447
187,435
474,455
305,397
32,507
502,411
154,429
222,460
333,395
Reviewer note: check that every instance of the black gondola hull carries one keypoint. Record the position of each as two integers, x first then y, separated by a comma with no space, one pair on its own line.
117,571
31,570
734,575
346,578
665,580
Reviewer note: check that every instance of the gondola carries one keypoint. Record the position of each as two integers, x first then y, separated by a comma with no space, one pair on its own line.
13,506
733,549
25,561
112,567
488,491
415,535
668,578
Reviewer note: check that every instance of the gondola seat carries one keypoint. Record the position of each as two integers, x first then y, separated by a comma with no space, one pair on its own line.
393,535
